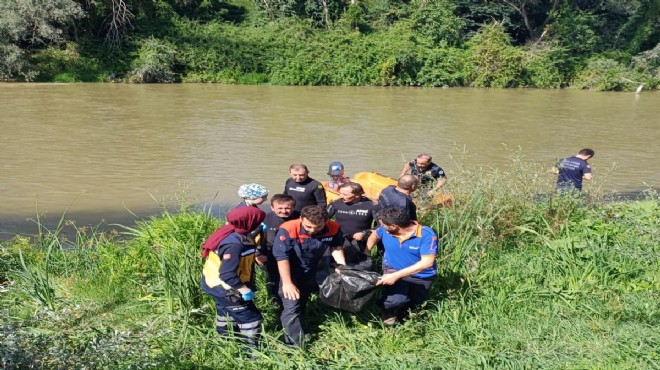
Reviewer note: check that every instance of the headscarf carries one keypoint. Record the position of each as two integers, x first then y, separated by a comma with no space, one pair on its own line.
239,220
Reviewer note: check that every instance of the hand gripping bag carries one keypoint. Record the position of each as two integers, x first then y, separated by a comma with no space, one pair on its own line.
349,290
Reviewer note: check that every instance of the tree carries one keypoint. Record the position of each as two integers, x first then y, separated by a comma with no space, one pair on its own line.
535,14
27,25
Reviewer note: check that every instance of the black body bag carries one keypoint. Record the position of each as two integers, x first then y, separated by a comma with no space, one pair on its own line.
350,290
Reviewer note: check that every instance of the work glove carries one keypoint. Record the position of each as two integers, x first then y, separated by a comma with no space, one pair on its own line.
248,296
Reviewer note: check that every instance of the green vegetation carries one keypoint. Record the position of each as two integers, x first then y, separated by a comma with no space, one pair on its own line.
598,45
525,282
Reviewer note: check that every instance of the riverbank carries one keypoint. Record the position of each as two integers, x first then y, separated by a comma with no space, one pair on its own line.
524,283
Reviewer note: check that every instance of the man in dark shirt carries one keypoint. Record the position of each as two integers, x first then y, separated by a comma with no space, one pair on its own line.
399,196
355,215
304,189
572,170
431,176
282,210
298,248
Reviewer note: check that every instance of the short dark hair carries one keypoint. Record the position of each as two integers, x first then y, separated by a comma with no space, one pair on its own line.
298,166
282,198
586,151
394,216
315,214
407,182
355,187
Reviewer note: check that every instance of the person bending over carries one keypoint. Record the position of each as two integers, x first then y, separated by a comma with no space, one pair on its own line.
409,262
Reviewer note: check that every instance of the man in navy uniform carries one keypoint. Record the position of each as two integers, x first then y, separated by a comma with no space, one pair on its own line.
281,206
304,189
298,248
431,176
573,170
399,196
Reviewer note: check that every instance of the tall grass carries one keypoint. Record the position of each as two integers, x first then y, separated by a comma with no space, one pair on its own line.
170,244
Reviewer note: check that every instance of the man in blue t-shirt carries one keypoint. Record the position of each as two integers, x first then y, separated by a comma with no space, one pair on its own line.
572,170
409,263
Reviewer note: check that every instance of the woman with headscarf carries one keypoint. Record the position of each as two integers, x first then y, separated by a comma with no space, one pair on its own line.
228,274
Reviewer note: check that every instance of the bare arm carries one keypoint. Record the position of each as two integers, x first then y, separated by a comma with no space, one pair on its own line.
371,241
288,288
554,170
338,255
425,262
438,184
586,176
405,169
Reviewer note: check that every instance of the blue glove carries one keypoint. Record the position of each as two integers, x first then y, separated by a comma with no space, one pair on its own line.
248,296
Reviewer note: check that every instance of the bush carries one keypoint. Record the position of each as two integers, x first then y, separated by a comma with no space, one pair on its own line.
602,74
541,70
496,63
648,63
443,67
66,65
154,63
436,20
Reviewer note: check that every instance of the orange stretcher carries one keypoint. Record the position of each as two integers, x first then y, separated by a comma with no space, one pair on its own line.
373,183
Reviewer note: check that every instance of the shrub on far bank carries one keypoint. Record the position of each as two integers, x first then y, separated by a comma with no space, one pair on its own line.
154,62
65,64
496,62
603,74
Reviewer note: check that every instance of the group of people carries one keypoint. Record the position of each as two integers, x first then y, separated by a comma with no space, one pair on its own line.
297,236
290,242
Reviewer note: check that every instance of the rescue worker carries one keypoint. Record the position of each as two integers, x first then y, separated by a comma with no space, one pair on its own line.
228,274
298,248
252,195
304,189
399,196
409,262
572,170
337,178
282,210
355,215
431,176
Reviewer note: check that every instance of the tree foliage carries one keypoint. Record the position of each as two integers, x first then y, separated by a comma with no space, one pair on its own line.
28,25
495,43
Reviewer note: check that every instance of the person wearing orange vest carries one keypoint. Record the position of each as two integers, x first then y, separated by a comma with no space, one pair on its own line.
298,248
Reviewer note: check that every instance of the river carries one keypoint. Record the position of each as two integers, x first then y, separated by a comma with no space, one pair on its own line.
98,151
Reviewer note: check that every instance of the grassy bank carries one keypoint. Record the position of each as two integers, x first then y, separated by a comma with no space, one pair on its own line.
532,283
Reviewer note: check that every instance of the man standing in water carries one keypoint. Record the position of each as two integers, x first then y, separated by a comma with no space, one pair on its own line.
304,189
431,176
573,170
